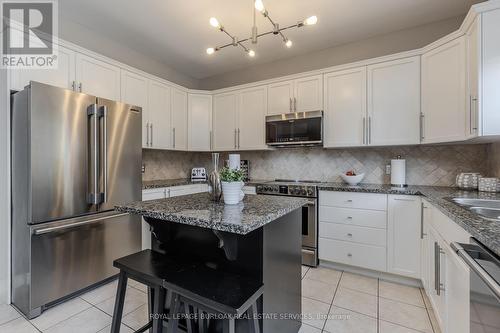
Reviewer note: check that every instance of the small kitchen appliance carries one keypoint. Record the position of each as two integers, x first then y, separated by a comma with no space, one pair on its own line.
198,175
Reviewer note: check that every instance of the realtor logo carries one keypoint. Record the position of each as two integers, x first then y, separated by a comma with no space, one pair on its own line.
28,34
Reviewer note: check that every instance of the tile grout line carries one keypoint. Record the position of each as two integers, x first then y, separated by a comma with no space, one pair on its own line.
331,304
66,317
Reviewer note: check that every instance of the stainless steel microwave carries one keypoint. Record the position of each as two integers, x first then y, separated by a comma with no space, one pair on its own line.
295,129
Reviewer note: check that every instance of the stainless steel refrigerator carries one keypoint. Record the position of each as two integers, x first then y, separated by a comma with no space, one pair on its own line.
74,157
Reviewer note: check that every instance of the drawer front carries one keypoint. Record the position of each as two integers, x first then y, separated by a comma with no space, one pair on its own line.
153,194
361,255
350,233
353,200
359,217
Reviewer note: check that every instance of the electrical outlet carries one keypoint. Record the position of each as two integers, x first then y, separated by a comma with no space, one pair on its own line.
143,169
388,169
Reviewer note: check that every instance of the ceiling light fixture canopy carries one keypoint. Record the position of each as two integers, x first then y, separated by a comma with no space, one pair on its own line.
259,6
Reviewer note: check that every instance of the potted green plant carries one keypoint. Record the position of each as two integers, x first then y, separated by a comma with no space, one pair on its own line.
232,184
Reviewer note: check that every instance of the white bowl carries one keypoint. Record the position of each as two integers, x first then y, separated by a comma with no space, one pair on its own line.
353,180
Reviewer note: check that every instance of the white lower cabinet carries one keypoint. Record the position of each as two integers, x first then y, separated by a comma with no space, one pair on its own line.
150,194
403,235
187,189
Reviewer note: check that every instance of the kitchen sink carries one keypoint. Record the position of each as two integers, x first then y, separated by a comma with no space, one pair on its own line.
486,203
486,208
489,213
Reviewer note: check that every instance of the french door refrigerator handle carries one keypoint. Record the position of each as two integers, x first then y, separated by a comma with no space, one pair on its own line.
70,225
483,275
103,113
93,153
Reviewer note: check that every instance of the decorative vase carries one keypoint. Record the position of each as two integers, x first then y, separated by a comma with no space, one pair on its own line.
232,192
214,179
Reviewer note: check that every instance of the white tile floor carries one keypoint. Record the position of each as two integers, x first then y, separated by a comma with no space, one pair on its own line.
332,302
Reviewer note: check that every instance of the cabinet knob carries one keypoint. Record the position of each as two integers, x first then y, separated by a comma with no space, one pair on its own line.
349,200
349,255
349,235
349,217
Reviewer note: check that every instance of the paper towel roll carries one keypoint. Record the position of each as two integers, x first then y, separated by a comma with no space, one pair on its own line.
398,172
234,161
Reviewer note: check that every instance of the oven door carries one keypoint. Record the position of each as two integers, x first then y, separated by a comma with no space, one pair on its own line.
484,286
309,234
304,128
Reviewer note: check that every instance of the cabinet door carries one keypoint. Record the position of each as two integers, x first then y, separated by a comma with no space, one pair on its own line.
179,119
457,293
251,119
345,108
152,194
224,129
437,273
63,76
159,115
425,256
280,98
308,94
134,90
200,122
394,102
403,235
472,40
444,93
96,77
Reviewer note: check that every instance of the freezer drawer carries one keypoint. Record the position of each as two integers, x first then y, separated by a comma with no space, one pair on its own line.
68,256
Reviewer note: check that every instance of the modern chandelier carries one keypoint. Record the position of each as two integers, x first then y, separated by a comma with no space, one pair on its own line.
277,31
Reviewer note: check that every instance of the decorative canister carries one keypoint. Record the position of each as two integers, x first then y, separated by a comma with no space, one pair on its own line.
489,184
468,180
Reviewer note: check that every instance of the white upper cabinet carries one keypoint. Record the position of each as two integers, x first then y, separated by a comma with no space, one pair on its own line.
63,76
300,95
394,102
134,90
403,235
199,122
179,102
444,93
280,99
251,118
96,77
308,94
472,41
225,113
159,115
345,108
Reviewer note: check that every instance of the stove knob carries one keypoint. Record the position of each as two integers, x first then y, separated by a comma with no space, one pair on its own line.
296,191
310,192
259,188
275,189
303,191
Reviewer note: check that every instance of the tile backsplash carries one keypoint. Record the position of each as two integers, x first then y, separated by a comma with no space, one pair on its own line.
426,165
494,159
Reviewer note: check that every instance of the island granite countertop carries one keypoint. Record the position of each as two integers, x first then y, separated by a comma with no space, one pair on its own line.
159,183
486,231
253,212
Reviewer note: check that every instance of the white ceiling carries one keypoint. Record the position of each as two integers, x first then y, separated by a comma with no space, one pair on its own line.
177,32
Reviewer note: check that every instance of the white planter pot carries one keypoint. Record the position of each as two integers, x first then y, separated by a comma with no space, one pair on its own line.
232,192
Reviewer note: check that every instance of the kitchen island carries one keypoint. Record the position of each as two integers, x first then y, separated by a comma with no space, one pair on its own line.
260,237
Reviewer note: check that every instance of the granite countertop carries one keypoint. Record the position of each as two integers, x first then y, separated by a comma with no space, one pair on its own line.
252,213
159,183
486,231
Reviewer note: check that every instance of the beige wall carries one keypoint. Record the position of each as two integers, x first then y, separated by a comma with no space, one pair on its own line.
494,159
426,165
395,42
97,42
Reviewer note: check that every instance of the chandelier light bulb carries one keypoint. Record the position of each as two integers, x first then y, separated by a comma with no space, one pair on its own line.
214,22
259,5
311,20
288,43
251,53
210,50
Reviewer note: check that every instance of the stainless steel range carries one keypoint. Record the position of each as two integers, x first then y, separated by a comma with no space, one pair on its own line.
305,189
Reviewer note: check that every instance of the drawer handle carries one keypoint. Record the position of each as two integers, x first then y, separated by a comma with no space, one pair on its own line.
349,200
349,217
349,255
349,235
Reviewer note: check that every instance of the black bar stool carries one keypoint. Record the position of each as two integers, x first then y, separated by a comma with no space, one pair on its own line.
199,295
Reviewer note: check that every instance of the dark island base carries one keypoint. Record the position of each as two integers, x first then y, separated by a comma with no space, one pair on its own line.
271,253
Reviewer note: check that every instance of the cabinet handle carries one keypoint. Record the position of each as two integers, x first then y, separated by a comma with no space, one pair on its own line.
422,118
438,286
151,128
80,87
369,130
403,199
349,255
349,217
210,140
349,200
235,139
73,86
290,104
238,138
364,130
147,134
174,137
472,114
294,104
349,235
422,207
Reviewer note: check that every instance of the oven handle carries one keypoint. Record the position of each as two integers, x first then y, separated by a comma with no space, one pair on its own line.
483,275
